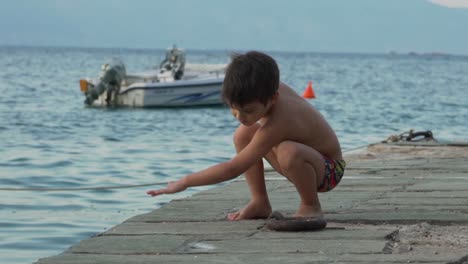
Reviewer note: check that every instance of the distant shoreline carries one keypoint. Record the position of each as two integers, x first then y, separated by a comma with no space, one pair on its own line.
423,54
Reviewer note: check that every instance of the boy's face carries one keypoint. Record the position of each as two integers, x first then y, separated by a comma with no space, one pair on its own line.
250,113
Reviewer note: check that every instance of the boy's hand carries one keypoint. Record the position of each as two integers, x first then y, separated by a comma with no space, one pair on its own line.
172,187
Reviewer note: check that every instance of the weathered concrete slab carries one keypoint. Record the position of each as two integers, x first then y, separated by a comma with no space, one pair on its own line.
434,194
249,246
452,164
149,244
330,203
395,204
235,191
332,231
256,258
187,228
426,200
186,210
439,185
407,209
399,216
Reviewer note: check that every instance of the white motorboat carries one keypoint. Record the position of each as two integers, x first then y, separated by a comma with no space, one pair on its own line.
172,84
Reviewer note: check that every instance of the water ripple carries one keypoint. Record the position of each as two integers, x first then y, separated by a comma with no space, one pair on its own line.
46,207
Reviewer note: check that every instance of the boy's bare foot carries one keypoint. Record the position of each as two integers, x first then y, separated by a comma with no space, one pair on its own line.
253,210
309,211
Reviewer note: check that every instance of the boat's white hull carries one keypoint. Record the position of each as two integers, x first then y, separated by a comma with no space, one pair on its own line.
169,85
164,94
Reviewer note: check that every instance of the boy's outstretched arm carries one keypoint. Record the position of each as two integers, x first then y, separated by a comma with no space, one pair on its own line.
256,150
215,174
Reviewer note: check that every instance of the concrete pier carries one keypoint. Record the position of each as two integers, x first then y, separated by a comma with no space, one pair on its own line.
395,204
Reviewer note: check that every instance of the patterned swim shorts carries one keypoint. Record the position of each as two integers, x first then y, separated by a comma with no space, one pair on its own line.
334,170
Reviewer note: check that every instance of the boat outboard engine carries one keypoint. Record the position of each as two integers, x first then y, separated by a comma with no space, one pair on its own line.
111,77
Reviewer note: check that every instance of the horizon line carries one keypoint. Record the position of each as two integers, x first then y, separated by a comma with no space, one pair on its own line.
391,52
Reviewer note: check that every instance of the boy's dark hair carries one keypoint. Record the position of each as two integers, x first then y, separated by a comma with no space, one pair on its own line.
253,76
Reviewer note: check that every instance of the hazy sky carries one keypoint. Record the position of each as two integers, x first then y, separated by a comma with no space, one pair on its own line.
286,25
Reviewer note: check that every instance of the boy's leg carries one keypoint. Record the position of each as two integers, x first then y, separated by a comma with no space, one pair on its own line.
259,205
305,168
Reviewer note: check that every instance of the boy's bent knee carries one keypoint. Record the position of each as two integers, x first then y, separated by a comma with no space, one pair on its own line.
288,155
292,155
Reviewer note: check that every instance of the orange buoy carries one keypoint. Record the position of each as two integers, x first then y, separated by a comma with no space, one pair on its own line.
309,92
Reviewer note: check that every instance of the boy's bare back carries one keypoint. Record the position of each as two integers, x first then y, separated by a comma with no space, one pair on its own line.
294,119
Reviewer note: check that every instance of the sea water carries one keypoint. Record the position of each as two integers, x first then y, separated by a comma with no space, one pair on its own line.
50,139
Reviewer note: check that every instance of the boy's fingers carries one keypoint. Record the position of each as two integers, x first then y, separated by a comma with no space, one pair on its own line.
155,192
